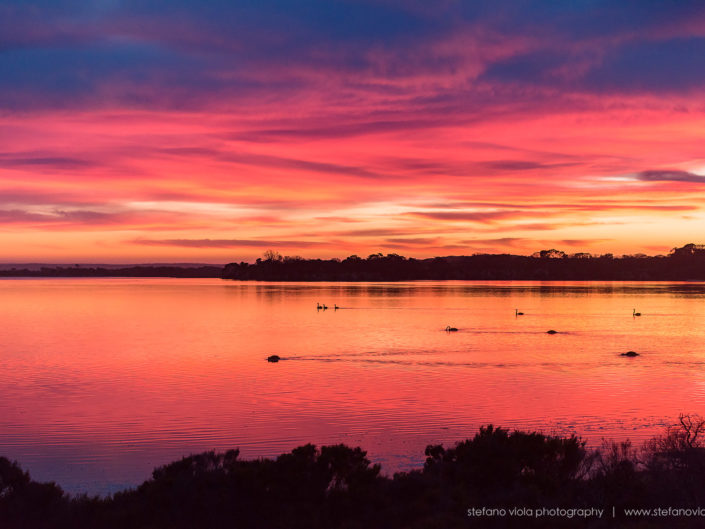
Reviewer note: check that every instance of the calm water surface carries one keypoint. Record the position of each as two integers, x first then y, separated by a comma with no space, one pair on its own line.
103,379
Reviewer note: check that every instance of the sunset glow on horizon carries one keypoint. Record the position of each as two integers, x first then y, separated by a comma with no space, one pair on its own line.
213,131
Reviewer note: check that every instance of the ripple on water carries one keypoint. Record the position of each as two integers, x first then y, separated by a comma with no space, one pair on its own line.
123,376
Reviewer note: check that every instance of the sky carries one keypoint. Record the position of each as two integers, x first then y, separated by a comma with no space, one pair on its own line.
214,130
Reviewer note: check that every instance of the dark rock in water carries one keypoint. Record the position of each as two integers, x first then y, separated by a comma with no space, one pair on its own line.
551,332
273,358
630,353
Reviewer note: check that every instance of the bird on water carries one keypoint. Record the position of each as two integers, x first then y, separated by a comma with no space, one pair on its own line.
635,313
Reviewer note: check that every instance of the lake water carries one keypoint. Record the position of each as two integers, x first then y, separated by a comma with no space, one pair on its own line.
103,379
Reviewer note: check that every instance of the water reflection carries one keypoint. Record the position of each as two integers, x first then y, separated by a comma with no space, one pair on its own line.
103,379
467,288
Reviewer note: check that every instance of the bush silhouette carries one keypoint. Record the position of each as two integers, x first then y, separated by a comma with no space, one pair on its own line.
336,487
509,467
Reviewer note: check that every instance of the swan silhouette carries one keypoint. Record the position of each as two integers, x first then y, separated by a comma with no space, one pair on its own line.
451,329
635,313
517,313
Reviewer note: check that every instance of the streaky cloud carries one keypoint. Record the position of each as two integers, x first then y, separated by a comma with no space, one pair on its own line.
582,242
670,175
502,241
468,216
414,241
228,243
60,216
53,162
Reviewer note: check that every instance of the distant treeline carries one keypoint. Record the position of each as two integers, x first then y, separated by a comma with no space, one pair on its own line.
498,479
128,271
682,264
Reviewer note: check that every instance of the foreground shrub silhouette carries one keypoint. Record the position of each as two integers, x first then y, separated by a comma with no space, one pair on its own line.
26,503
305,488
517,467
677,461
336,487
